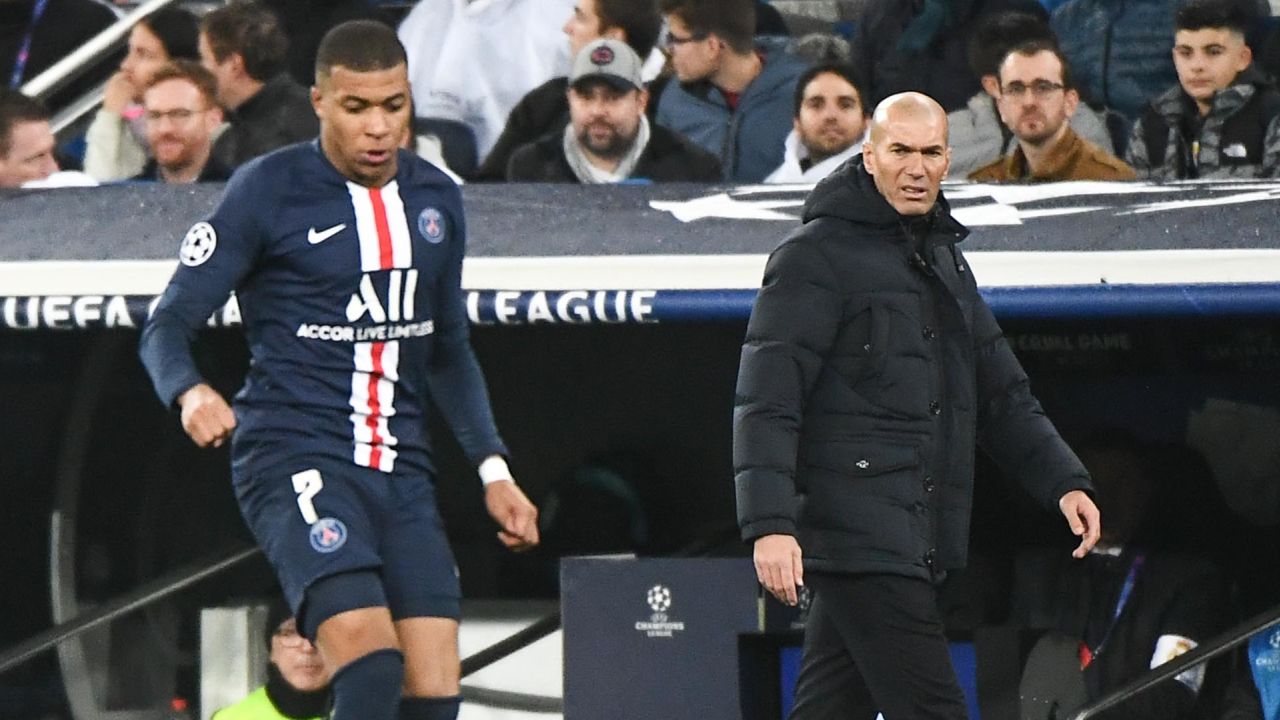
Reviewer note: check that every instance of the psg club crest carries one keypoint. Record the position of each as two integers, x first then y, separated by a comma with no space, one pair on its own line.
431,225
328,534
198,245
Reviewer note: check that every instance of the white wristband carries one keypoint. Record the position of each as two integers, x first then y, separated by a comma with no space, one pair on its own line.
493,469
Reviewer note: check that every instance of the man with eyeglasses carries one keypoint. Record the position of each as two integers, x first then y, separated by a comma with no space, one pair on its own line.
734,96
1037,99
297,684
183,117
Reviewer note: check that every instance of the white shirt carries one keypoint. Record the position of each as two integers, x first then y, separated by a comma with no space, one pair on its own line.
789,171
473,61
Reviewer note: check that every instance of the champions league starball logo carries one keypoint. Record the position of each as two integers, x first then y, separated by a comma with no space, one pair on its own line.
659,624
659,598
198,245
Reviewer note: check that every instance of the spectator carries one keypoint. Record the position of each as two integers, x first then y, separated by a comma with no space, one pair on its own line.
297,681
26,146
830,124
921,45
1120,50
1220,120
182,115
733,99
471,62
306,22
34,35
1131,606
608,138
1037,101
244,47
116,144
26,142
978,135
546,108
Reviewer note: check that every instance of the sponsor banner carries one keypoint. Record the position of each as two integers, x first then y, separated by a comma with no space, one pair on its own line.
611,307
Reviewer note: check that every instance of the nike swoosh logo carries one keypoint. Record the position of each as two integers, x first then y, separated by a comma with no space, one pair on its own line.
315,238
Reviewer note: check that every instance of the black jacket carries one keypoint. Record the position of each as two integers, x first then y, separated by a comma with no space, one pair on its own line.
1174,593
868,370
542,110
279,114
213,171
887,30
667,158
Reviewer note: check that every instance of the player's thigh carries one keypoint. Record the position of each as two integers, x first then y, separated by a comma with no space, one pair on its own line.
431,664
418,567
313,520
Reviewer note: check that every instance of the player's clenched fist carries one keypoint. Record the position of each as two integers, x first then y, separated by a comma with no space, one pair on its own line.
514,513
206,416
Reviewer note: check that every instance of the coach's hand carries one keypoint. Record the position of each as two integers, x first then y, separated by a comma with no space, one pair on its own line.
1083,517
206,416
513,512
778,566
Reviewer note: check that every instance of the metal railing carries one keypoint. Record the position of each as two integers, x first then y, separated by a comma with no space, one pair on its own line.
1209,650
86,56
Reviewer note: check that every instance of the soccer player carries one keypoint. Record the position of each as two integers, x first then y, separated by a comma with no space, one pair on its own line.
346,258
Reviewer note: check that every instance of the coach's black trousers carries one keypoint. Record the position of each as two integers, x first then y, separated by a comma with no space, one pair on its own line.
875,643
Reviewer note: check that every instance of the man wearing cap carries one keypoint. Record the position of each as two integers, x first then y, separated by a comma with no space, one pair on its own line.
608,138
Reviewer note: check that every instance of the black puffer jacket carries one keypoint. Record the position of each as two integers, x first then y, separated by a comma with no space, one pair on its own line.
869,368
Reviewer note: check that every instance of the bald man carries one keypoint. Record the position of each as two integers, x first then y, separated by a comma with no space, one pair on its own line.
871,366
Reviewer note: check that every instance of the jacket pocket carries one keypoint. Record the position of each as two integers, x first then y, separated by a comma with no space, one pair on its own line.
862,458
868,490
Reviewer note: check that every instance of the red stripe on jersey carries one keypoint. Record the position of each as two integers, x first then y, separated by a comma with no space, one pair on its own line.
384,229
375,409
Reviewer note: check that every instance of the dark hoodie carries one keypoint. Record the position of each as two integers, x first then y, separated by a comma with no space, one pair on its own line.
871,364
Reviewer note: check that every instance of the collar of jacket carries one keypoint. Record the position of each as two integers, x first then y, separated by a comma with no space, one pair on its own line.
774,61
1176,104
1058,163
267,98
850,194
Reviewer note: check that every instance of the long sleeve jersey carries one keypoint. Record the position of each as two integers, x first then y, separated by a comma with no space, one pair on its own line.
351,301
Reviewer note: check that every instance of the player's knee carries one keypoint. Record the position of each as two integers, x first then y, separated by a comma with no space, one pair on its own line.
368,686
348,617
431,679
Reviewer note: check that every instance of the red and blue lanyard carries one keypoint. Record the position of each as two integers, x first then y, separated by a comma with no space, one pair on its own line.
24,50
1088,654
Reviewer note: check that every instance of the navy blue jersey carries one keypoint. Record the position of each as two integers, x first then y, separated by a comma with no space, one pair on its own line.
351,301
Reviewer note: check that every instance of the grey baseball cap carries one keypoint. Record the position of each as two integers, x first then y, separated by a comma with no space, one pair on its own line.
610,60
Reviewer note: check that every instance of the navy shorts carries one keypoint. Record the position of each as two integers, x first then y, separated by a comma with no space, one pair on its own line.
317,517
